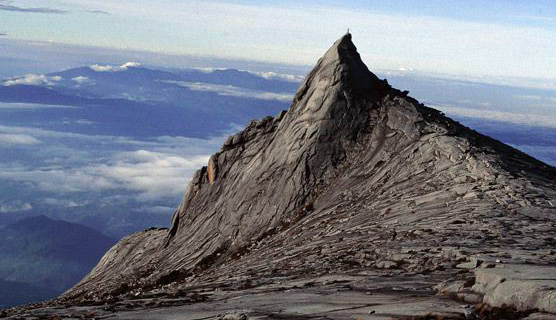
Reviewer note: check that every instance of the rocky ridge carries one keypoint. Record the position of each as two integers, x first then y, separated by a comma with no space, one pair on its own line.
358,193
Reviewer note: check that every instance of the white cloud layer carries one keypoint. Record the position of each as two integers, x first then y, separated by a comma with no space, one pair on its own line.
33,79
109,68
152,171
15,206
153,174
56,178
269,75
209,69
229,90
84,122
67,203
156,209
81,79
17,139
18,105
280,76
50,134
517,118
545,101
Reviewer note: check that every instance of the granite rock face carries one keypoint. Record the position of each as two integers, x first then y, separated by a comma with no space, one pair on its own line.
356,181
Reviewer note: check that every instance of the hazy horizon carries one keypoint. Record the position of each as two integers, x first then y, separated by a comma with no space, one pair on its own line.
472,39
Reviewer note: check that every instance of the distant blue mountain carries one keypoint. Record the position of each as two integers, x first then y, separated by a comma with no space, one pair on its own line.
132,75
40,95
238,78
137,76
13,293
49,256
142,102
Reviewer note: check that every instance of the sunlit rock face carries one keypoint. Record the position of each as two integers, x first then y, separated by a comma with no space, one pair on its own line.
355,182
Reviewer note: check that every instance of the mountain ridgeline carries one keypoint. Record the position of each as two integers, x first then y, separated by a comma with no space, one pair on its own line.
352,160
356,177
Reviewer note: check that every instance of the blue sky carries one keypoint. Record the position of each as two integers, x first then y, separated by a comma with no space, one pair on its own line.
476,38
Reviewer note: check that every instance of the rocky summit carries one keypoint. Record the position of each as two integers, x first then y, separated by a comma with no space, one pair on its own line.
357,202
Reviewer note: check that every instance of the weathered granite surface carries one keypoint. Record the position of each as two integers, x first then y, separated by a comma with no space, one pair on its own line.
405,211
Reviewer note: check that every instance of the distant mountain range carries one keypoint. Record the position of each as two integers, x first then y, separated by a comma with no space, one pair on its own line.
14,293
41,258
142,102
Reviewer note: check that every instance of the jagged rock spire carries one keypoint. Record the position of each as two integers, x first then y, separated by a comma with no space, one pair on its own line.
342,63
350,146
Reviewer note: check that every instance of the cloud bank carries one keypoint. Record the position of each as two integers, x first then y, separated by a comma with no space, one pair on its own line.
280,76
153,174
81,79
14,206
152,171
269,75
233,91
67,203
18,139
22,105
33,79
109,68
516,118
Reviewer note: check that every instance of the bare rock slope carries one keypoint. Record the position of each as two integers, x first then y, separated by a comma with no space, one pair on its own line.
359,184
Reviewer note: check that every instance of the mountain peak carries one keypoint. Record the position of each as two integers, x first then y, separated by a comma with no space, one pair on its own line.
342,63
342,49
353,166
342,46
334,100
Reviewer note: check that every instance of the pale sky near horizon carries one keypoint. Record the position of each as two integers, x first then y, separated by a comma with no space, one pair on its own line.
478,38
